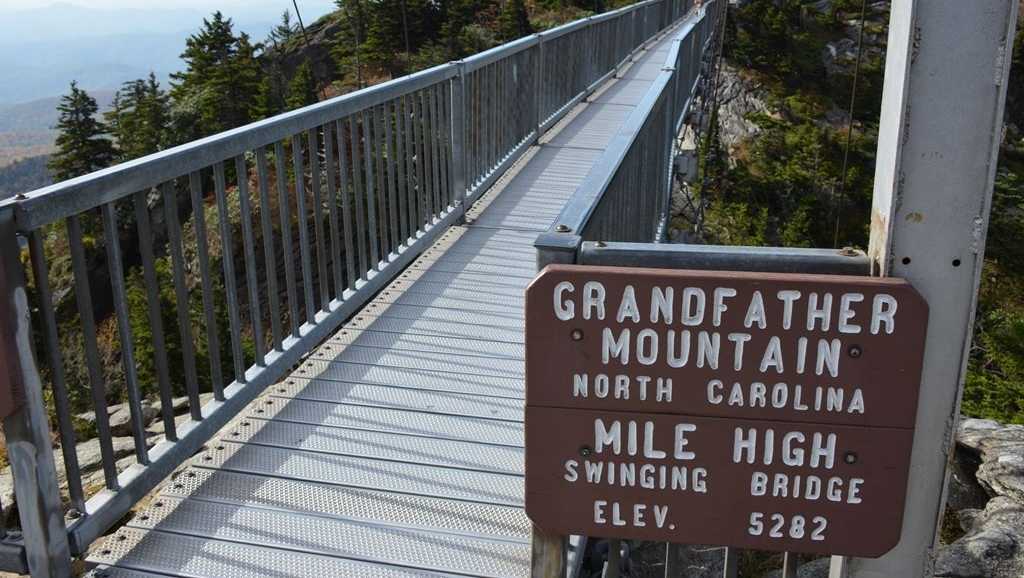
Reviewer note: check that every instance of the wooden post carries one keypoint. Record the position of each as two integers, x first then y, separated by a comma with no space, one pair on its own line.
25,423
547,555
940,130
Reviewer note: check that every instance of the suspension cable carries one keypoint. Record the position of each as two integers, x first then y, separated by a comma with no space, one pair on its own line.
837,208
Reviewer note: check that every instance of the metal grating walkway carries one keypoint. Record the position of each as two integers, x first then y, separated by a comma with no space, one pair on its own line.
395,449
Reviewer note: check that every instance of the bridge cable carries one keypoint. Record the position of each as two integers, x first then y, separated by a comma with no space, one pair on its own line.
837,209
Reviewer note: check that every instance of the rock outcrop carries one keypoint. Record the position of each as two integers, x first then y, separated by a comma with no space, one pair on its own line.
989,464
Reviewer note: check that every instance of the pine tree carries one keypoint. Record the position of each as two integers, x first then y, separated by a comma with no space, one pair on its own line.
139,118
219,86
513,21
82,146
302,88
283,32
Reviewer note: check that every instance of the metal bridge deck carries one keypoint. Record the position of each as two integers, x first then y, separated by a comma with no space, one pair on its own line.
395,449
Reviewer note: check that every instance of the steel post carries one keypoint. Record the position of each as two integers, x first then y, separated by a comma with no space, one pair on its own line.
940,130
25,423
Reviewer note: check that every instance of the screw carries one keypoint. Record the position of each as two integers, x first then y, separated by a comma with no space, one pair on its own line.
577,334
585,451
21,196
562,228
848,252
850,457
74,514
854,351
600,244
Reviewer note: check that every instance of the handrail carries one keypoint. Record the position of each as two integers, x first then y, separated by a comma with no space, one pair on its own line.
347,192
609,178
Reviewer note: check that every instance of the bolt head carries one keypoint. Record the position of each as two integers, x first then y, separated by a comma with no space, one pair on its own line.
855,351
577,334
562,228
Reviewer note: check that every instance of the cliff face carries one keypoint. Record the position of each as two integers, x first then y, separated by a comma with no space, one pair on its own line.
313,46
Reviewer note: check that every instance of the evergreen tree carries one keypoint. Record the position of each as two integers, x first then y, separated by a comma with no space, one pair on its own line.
302,89
218,88
283,32
82,146
513,21
139,118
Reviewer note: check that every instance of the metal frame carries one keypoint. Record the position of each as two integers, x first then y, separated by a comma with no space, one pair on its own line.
933,188
937,161
423,123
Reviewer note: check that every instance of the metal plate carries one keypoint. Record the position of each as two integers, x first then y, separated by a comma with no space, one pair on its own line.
759,410
378,474
714,501
411,378
451,403
457,364
179,555
405,510
382,445
409,341
390,420
832,373
352,539
599,122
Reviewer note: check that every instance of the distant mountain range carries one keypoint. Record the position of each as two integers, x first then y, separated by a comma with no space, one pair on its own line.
46,48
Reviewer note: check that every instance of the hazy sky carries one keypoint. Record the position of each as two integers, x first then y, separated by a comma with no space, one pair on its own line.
311,9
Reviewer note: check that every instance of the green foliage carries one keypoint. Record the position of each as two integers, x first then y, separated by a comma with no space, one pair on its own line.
218,88
82,145
302,89
138,118
513,21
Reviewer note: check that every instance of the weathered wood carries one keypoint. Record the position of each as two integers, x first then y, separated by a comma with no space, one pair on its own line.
26,428
547,555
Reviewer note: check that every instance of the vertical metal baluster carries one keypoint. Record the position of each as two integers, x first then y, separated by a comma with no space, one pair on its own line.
425,142
790,563
156,323
389,152
332,211
381,194
401,158
732,557
486,106
318,221
228,264
411,163
269,258
97,386
188,355
458,124
441,136
61,405
124,329
434,154
206,279
444,130
614,555
421,176
284,208
346,209
301,222
371,191
249,255
358,193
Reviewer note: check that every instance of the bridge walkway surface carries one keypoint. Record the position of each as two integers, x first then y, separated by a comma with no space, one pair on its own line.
396,447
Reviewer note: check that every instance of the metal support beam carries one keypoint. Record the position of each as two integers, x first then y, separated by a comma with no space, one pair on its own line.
723,258
25,424
941,125
458,132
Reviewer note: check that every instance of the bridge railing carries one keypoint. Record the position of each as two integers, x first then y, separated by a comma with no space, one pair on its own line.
626,196
191,279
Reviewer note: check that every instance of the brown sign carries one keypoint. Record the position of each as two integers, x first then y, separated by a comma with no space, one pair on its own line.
765,411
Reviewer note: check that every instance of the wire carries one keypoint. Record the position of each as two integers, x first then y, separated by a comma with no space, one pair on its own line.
849,129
